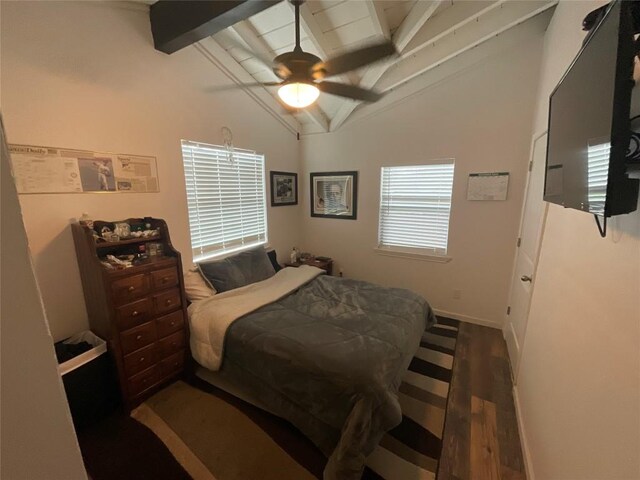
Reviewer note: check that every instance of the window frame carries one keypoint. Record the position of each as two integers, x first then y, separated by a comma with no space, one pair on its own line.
199,252
418,253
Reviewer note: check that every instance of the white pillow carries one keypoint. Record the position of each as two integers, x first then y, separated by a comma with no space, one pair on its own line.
195,286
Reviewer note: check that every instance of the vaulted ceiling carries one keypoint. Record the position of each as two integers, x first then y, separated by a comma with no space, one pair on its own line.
427,34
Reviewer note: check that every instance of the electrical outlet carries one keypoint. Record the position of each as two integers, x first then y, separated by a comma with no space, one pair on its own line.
457,294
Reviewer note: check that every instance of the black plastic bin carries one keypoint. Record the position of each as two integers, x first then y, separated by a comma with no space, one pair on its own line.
90,382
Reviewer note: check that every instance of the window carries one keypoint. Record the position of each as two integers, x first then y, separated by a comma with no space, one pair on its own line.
597,175
226,197
415,202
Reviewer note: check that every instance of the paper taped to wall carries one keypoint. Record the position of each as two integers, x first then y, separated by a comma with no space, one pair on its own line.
56,170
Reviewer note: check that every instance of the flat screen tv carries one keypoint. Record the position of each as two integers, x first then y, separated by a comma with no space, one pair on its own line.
588,134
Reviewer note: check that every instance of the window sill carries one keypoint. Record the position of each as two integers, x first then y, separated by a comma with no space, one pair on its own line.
426,257
222,255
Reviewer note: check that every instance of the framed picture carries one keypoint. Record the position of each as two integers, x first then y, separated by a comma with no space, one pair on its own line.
334,195
284,188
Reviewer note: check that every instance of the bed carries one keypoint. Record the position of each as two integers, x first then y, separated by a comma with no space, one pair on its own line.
325,353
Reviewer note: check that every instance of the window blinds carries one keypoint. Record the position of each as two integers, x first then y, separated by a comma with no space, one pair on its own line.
415,202
597,175
226,198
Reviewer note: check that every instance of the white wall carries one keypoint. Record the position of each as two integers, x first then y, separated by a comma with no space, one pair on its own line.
38,440
85,75
579,380
481,117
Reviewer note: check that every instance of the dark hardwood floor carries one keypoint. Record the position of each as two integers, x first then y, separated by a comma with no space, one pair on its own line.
481,439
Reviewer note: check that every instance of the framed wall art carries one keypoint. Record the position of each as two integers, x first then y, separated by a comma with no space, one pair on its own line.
334,195
284,188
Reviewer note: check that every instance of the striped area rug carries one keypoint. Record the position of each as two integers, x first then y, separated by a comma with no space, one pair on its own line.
412,449
215,436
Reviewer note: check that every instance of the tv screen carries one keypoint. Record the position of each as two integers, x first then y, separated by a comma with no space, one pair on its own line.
588,131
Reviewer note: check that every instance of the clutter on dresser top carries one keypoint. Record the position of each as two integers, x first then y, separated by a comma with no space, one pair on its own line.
124,244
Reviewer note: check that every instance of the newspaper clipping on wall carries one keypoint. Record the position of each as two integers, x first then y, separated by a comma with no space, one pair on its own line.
58,170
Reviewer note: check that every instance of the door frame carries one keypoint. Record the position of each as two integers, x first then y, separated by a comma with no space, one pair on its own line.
543,220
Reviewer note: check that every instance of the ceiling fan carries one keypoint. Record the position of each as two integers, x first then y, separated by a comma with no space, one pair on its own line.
303,74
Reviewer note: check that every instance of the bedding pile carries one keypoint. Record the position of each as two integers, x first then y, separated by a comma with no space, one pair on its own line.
326,353
209,319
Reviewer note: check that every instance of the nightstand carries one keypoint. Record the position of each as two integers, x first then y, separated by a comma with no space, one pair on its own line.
325,264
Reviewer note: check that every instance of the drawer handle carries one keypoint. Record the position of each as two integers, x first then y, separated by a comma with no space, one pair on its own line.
135,313
176,364
174,344
131,288
165,279
138,337
168,301
141,359
144,380
172,323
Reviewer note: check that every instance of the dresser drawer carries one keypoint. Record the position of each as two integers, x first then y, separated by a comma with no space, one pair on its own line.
167,277
172,365
167,301
128,288
132,314
138,337
140,360
143,380
171,344
169,323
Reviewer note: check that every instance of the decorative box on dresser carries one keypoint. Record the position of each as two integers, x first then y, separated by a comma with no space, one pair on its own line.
140,310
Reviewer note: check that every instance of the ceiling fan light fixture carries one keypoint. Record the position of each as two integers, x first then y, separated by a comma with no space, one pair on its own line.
298,94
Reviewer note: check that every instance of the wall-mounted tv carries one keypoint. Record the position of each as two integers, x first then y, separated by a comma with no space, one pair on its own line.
589,111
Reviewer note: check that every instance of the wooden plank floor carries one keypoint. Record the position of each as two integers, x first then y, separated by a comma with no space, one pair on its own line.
481,440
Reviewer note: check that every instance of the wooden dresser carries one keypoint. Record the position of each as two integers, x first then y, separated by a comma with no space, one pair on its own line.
140,311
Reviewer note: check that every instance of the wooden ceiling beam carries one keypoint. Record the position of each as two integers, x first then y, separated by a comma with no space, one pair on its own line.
418,16
379,18
257,46
176,25
218,56
493,23
517,37
452,18
315,34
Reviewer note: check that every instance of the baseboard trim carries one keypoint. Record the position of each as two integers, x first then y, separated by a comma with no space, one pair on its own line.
528,464
513,348
468,318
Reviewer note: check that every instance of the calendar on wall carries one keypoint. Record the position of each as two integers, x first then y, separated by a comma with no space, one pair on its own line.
60,170
488,186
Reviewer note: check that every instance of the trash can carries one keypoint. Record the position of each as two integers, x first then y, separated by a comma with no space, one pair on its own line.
89,381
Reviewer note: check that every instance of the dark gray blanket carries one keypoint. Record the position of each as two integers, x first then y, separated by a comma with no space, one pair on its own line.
329,358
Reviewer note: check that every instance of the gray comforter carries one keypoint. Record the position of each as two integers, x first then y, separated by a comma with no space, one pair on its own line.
329,358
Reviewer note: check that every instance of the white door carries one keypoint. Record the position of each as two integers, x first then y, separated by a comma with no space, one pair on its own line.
526,255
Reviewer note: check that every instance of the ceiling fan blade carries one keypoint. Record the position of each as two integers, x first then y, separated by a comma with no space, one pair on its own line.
284,108
279,69
224,88
354,59
349,91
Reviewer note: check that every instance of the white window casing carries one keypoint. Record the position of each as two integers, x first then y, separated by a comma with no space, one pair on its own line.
415,205
226,198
